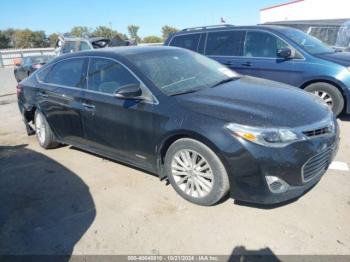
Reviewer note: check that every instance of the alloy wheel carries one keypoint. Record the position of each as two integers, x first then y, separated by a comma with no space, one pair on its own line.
40,128
192,173
325,97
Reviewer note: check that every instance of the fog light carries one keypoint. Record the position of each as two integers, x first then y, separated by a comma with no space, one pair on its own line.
276,185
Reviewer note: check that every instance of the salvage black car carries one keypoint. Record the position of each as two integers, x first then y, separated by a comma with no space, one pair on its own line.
185,117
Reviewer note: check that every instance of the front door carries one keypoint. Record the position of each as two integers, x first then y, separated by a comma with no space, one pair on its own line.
260,59
117,127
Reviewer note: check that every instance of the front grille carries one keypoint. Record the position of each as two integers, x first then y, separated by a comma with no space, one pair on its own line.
318,132
316,165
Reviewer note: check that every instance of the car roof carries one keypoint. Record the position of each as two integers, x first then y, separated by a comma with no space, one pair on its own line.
226,28
122,51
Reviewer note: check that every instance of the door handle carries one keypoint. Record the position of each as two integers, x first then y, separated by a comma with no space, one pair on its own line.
88,106
43,94
246,64
229,63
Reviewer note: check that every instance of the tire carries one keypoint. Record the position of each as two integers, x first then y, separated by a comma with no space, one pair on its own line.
182,174
43,132
330,94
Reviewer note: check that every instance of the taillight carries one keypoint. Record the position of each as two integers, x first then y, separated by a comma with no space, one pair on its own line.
18,90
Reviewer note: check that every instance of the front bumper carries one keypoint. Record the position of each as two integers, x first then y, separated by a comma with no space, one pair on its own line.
248,167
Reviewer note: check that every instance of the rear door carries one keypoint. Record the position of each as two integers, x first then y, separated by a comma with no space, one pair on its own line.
117,127
59,97
260,58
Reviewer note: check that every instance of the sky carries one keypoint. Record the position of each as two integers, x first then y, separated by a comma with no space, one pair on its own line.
61,15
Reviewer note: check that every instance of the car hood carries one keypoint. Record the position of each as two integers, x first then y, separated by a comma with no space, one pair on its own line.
257,102
342,58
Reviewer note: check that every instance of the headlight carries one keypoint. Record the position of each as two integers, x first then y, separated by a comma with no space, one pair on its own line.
271,137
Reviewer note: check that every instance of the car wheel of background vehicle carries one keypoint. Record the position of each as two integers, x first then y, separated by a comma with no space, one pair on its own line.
196,172
330,94
43,131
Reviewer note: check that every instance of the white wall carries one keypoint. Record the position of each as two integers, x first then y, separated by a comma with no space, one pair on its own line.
307,10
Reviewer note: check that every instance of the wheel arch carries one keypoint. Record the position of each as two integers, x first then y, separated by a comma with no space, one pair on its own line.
171,138
331,82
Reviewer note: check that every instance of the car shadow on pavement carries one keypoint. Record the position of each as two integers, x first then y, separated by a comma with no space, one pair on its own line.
241,254
44,207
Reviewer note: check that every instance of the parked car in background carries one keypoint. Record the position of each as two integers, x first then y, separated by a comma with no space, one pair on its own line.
66,45
185,117
28,65
277,53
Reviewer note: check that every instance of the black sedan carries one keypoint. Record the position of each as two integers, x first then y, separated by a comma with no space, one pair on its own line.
185,117
28,65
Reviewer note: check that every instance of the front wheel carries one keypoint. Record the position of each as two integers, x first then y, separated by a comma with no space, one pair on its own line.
329,94
43,132
196,172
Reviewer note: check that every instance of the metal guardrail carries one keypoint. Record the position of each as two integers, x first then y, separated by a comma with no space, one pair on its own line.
8,56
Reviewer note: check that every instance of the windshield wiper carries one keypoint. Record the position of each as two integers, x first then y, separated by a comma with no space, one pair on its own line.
225,81
185,92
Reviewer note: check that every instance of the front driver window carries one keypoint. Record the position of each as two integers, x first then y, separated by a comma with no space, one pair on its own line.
261,44
107,76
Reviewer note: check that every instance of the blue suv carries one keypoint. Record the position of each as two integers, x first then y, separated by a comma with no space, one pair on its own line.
277,53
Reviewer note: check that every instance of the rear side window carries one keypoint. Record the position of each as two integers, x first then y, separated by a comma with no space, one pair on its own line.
107,76
69,47
84,46
190,41
70,72
226,43
262,44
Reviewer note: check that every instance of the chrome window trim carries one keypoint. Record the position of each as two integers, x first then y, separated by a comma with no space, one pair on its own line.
143,85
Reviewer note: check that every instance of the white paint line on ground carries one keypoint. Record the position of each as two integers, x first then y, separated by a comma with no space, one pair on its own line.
341,166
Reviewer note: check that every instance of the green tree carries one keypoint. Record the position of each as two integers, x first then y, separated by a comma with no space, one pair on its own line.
53,39
133,32
8,34
38,39
152,39
104,31
4,40
167,30
22,38
80,31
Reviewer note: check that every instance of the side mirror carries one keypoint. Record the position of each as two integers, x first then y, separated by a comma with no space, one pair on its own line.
284,53
131,91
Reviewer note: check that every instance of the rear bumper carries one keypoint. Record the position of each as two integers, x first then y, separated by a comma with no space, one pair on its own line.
248,170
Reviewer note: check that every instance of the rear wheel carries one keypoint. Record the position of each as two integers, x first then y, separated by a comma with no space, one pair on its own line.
196,172
43,132
329,94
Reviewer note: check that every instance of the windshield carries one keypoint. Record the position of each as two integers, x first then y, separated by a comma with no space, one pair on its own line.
309,43
343,39
180,71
